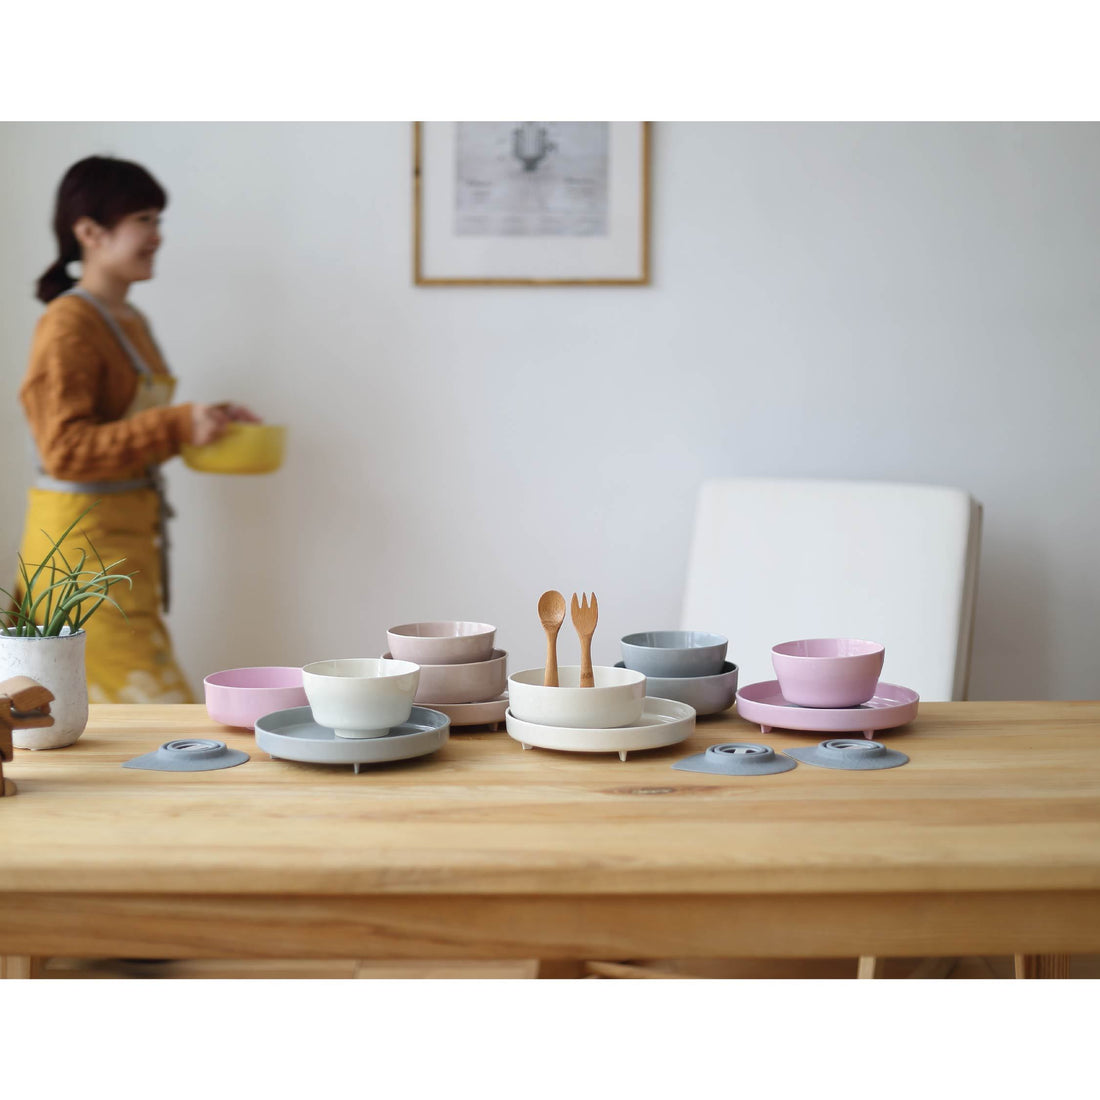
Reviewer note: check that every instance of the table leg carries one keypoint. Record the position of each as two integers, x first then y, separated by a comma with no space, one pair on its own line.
1042,966
20,966
870,966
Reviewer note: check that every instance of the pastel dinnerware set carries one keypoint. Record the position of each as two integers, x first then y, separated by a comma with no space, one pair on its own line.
366,710
830,685
689,666
369,710
461,674
586,707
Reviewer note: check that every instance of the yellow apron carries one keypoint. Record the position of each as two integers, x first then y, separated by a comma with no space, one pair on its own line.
129,660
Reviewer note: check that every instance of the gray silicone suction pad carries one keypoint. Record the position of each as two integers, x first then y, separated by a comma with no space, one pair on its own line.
849,754
736,758
192,754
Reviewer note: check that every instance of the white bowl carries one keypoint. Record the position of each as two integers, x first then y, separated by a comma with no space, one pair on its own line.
361,696
617,699
473,683
442,643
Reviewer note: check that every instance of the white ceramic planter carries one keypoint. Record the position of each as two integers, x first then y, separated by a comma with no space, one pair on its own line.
58,665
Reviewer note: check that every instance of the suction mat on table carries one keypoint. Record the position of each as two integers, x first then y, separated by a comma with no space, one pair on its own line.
849,754
736,758
192,754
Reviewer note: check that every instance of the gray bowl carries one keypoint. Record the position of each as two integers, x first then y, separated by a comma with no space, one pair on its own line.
707,694
674,653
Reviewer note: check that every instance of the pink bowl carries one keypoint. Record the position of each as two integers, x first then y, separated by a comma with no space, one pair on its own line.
828,672
238,696
448,642
477,682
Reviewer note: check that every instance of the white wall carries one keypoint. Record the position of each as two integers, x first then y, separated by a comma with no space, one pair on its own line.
904,302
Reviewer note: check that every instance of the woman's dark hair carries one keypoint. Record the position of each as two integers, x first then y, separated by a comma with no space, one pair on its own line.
101,188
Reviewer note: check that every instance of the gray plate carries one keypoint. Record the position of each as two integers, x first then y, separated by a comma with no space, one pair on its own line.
293,735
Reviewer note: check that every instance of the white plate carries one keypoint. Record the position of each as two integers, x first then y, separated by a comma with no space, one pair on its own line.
664,722
474,714
294,735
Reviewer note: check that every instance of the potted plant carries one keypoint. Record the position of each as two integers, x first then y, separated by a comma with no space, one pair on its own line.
42,634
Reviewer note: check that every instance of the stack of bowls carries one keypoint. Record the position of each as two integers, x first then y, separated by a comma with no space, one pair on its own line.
458,664
828,673
689,666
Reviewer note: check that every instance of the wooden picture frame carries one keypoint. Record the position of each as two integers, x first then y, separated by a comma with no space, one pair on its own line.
483,215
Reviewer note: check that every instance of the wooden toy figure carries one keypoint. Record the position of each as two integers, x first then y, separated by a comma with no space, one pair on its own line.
24,704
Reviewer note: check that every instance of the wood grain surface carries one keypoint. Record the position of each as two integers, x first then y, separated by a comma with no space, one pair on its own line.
987,842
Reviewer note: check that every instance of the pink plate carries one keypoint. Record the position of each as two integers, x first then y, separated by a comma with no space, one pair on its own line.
890,706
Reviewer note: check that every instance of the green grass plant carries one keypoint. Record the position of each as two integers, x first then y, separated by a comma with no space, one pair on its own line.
60,593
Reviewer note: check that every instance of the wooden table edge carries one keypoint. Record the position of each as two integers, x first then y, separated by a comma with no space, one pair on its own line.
517,926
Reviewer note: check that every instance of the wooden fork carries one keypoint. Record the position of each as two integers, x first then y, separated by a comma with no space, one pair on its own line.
585,615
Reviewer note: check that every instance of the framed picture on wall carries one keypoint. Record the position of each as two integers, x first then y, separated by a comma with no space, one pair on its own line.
530,203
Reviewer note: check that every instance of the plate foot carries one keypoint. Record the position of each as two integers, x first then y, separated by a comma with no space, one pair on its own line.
765,730
622,755
525,747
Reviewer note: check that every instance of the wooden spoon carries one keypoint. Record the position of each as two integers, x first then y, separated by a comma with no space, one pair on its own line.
551,615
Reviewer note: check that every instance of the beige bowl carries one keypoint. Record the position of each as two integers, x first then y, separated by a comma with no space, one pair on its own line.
476,682
617,699
447,642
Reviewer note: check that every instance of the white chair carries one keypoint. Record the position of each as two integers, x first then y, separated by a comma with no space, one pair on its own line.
773,560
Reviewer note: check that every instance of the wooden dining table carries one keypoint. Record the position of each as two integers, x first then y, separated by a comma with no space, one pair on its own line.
986,843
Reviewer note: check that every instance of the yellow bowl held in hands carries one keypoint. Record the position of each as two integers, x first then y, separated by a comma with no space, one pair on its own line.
244,449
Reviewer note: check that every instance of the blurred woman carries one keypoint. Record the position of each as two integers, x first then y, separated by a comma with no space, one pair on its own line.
97,396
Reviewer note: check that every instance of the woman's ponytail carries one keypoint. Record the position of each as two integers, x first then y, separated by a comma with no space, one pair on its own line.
55,280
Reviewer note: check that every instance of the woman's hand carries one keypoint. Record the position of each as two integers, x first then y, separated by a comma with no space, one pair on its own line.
208,422
241,413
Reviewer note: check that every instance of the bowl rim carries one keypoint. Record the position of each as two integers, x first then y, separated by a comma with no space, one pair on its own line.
728,669
719,640
408,667
235,429
630,683
209,680
873,650
498,655
402,630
